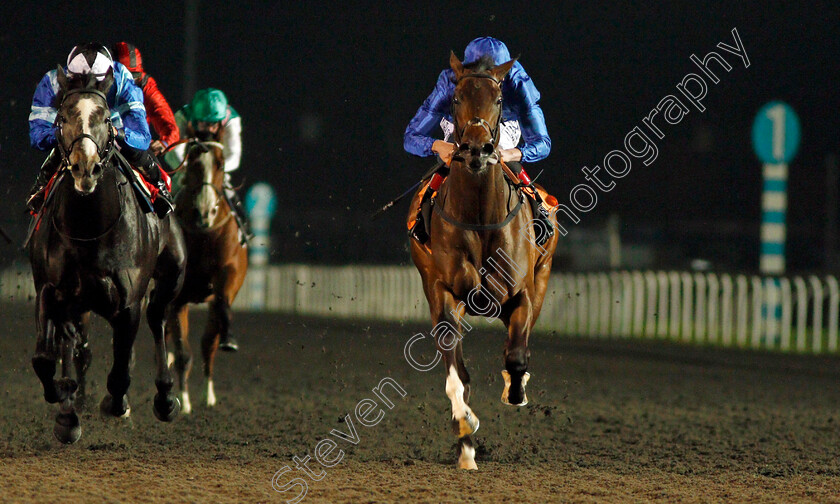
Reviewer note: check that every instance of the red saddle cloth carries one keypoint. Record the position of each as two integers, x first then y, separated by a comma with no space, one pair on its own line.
150,188
153,190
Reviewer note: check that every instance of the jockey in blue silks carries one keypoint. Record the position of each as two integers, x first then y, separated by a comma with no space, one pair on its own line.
128,117
523,137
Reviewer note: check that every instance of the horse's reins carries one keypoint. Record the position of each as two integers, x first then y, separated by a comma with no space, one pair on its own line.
494,133
192,142
105,154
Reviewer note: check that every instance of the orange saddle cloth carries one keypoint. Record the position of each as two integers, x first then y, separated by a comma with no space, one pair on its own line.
549,202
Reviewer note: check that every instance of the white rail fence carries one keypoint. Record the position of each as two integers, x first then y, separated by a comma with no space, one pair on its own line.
788,314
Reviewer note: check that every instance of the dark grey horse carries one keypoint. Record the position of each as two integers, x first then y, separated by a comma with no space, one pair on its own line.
94,249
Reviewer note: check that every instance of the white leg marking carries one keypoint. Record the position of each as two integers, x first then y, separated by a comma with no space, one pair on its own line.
186,407
211,396
170,359
506,391
466,460
455,391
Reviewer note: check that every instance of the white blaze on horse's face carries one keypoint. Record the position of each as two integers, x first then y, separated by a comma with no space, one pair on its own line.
207,200
84,155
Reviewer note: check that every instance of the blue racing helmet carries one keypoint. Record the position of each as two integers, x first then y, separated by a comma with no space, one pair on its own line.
489,46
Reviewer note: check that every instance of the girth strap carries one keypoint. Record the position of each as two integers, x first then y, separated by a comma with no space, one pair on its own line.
478,227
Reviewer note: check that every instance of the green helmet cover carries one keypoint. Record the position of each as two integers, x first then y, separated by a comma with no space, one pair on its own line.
208,105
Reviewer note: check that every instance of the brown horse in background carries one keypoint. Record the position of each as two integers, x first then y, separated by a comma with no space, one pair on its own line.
216,261
482,258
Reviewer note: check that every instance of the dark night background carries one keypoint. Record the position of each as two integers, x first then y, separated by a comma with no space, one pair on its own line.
325,92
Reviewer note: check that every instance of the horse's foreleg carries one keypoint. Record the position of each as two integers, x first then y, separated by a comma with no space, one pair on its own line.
67,427
177,332
228,283
210,345
169,278
46,350
166,406
82,357
516,375
125,326
448,334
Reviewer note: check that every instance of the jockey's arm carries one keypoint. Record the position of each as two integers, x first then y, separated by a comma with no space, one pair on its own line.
536,142
160,113
417,139
132,113
42,114
233,144
175,156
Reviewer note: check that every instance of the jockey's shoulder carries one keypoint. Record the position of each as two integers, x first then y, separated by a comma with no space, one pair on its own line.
231,114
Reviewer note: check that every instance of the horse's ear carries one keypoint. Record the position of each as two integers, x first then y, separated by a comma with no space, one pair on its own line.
105,84
456,65
61,77
499,71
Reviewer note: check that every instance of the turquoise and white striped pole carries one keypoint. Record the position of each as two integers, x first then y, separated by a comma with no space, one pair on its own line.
773,210
775,136
261,203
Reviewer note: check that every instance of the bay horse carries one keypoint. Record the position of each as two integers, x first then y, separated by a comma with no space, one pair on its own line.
216,265
94,249
480,260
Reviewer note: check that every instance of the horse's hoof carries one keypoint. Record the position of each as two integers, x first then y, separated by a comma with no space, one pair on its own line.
466,457
468,464
515,397
51,396
67,428
465,426
109,408
166,408
185,402
229,344
66,389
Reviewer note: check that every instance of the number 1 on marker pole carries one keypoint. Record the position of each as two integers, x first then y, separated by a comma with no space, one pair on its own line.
777,115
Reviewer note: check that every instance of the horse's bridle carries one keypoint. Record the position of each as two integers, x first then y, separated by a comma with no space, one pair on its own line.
105,151
477,121
494,133
192,143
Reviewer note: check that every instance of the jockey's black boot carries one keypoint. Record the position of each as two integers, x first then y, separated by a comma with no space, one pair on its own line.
37,193
147,163
543,228
235,204
418,230
546,228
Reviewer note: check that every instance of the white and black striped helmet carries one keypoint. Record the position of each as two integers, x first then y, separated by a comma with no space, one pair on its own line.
91,58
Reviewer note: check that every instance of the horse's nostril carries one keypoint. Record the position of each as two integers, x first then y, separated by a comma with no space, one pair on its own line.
464,146
488,148
97,169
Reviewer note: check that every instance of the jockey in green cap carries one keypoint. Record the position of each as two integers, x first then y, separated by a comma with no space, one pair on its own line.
205,118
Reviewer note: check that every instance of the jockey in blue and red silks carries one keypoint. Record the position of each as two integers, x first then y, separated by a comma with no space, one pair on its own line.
523,136
128,117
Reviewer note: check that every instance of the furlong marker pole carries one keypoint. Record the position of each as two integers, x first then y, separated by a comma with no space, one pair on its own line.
775,137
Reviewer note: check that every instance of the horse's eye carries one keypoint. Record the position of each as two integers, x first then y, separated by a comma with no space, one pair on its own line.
456,101
499,101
